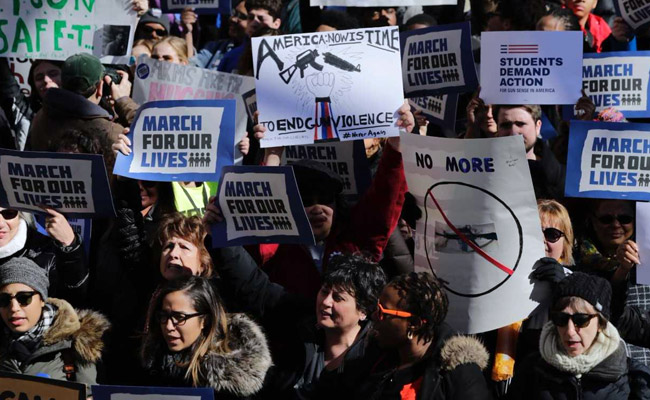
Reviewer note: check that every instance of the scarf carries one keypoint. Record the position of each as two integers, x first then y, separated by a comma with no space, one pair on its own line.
22,346
17,242
553,352
174,365
593,260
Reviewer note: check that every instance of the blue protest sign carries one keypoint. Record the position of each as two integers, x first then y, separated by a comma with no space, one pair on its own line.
608,160
199,6
260,205
347,159
102,392
438,60
635,12
548,131
180,140
439,109
73,184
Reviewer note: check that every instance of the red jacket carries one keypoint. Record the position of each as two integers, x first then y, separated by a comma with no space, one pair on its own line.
371,222
599,29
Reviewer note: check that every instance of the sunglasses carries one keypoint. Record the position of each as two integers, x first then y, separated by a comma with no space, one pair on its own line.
609,219
23,298
149,30
148,184
178,319
552,235
580,320
382,312
9,213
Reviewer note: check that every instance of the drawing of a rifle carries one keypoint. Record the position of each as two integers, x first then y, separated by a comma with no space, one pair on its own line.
340,63
303,60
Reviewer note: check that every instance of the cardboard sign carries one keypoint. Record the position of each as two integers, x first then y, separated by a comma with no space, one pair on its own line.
618,79
260,205
160,80
439,109
438,60
635,12
339,85
14,386
55,30
347,159
185,140
480,231
106,392
72,184
643,241
381,3
199,6
608,160
531,67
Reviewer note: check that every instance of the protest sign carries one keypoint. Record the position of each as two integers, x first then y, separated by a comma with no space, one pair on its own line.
608,160
20,67
617,79
338,85
381,3
19,387
199,6
643,241
635,12
160,80
347,159
531,67
439,109
260,205
184,140
107,392
250,101
480,230
72,184
55,30
438,60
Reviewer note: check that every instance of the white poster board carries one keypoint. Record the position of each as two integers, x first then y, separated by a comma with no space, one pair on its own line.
480,230
643,241
382,3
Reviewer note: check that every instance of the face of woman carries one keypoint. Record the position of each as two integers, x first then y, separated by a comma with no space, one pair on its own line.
180,257
137,51
8,226
552,249
337,309
46,76
165,52
613,223
179,331
148,193
17,317
574,339
390,331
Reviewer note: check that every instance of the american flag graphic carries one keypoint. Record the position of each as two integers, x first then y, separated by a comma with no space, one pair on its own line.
519,48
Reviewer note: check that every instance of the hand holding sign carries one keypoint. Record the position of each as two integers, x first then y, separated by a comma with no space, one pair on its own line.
57,227
628,255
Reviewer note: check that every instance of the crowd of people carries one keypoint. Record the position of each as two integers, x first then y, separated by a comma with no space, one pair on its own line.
149,302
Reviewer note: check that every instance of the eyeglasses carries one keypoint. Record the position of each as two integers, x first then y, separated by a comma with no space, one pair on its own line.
381,312
310,198
580,320
238,14
9,213
552,235
148,184
609,219
149,30
178,319
23,298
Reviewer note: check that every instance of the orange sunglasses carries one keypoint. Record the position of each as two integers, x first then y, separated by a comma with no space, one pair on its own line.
396,313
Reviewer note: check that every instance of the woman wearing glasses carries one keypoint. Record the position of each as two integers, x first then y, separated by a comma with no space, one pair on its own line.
558,232
191,341
581,354
45,336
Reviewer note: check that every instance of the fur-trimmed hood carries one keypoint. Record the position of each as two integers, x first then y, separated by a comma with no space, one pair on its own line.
459,350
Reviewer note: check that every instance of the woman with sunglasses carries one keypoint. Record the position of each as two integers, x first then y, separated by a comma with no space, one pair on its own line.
581,354
558,232
45,336
191,341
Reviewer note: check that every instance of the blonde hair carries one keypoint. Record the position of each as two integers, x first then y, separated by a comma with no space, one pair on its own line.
179,45
148,43
554,213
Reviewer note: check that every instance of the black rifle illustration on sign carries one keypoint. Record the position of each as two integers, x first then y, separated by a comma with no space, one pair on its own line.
340,63
303,60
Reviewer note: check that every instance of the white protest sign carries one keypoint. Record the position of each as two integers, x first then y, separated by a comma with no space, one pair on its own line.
643,241
531,67
20,386
382,3
635,12
160,80
339,85
55,30
480,231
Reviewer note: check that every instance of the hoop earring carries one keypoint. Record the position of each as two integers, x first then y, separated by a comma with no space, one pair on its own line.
409,335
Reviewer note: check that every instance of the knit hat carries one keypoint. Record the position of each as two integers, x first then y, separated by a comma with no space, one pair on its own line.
594,289
80,72
150,16
312,175
25,271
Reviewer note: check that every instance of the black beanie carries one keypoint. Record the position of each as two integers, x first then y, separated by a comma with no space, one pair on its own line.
595,290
